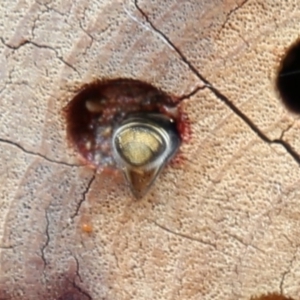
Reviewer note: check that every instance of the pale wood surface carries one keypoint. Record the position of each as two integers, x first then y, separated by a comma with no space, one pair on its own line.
223,224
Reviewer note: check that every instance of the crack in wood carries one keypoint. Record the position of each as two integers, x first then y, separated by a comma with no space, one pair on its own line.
47,239
38,154
185,236
219,95
231,12
30,42
85,192
286,272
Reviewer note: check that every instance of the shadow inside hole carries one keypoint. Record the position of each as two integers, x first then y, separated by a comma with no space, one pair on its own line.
126,125
288,78
101,106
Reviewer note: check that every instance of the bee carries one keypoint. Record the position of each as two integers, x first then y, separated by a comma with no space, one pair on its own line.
142,145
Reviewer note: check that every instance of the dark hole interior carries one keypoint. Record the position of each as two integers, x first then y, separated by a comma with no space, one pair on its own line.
101,106
288,79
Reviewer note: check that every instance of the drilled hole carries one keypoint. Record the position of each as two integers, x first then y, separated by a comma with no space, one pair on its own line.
288,80
126,125
98,108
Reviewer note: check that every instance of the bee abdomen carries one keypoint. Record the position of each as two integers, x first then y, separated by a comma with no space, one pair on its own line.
142,145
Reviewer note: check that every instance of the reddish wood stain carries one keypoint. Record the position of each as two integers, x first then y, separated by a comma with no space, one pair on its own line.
87,227
273,296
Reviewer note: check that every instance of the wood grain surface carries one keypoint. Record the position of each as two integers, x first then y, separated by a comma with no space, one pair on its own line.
224,223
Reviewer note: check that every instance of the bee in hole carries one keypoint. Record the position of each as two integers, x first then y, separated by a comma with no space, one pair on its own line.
142,145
